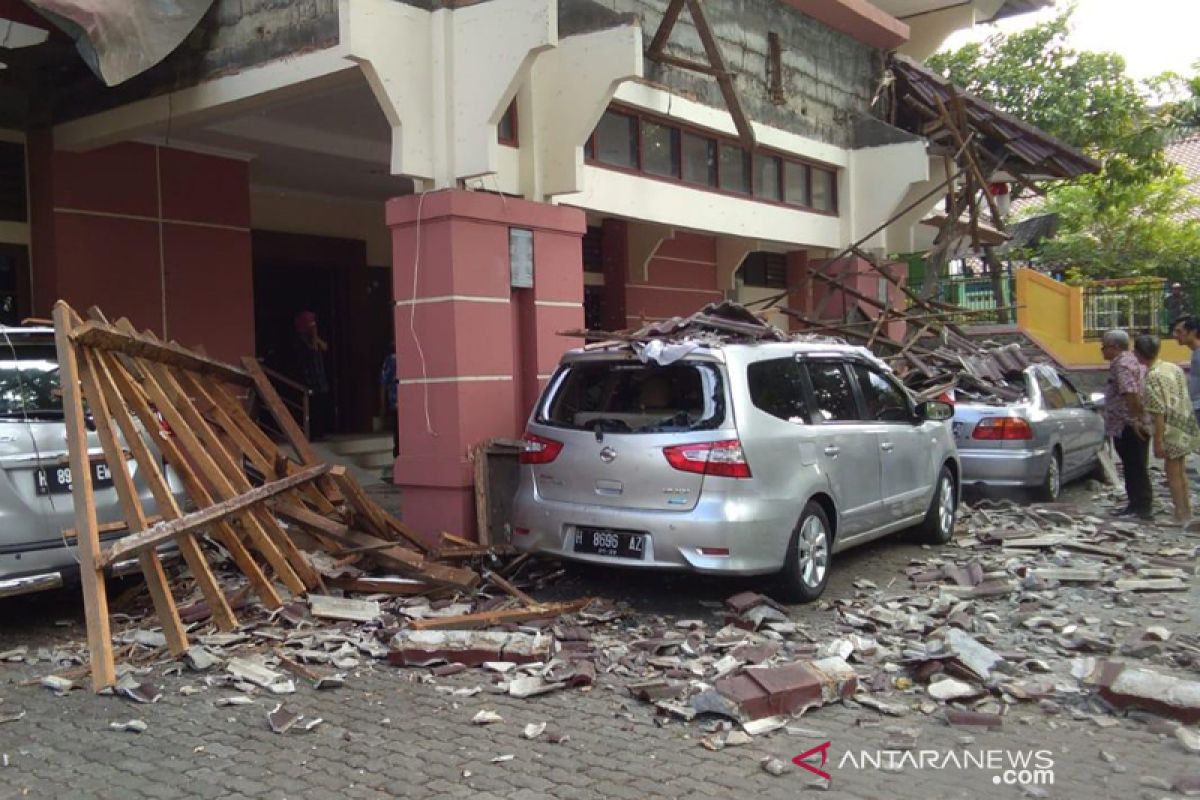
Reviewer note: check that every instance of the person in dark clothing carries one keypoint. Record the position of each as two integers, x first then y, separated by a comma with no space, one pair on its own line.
387,399
1126,422
309,358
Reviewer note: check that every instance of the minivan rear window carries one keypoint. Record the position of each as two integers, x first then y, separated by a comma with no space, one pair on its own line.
29,380
631,397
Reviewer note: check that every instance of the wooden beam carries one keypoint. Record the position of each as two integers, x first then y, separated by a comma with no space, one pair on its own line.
683,63
149,468
670,17
95,597
223,475
153,536
712,49
131,508
488,618
173,448
106,337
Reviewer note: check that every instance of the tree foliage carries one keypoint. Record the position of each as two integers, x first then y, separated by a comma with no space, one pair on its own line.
1130,218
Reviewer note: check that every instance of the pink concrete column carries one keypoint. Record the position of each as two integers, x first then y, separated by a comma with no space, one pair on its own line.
469,348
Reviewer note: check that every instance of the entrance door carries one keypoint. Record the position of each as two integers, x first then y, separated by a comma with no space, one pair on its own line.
294,273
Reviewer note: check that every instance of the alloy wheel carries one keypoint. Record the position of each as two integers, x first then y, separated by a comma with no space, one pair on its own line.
946,505
812,551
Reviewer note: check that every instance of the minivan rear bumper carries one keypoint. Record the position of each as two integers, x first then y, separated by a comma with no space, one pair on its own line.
1004,467
756,533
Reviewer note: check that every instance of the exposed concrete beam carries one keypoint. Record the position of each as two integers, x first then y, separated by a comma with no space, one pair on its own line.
209,101
644,241
572,85
301,137
731,252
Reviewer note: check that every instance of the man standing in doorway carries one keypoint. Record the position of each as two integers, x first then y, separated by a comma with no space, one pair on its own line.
309,357
1126,423
387,399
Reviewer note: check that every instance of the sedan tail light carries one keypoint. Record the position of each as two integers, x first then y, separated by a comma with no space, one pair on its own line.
539,449
723,459
1002,429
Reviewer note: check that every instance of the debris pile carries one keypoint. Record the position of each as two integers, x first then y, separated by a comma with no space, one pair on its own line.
274,514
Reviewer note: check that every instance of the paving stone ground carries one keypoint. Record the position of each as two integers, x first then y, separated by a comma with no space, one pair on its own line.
390,733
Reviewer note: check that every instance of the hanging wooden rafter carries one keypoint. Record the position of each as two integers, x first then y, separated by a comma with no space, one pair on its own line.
153,402
715,67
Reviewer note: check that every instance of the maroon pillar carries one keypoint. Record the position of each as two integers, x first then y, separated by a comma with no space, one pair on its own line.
472,352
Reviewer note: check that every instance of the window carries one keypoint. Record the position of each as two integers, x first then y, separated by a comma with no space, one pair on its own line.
506,130
886,402
735,169
616,140
699,160
766,176
832,392
1050,387
795,184
624,397
776,387
651,145
823,189
768,270
660,149
1070,394
29,380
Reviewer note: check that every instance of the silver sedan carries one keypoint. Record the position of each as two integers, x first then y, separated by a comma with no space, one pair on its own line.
1054,435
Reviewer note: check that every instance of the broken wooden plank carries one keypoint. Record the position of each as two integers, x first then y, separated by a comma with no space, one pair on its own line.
172,448
131,508
500,582
107,337
163,531
108,372
95,597
383,585
488,618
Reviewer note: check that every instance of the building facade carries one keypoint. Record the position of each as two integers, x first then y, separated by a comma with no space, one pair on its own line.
468,179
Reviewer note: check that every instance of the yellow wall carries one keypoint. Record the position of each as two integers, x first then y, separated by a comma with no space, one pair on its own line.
1051,314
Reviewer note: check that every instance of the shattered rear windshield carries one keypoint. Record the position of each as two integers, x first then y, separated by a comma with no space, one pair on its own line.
29,380
631,397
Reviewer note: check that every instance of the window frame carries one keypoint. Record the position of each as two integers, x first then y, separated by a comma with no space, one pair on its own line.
683,128
805,389
515,139
890,380
851,381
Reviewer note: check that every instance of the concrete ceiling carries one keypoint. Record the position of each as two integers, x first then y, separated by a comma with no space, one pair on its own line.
335,142
986,9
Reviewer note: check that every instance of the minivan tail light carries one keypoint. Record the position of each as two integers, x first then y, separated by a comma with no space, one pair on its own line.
1002,429
539,449
722,459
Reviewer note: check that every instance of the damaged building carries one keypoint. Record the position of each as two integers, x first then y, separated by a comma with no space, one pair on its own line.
468,178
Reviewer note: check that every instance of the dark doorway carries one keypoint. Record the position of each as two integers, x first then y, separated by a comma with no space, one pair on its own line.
328,276
14,284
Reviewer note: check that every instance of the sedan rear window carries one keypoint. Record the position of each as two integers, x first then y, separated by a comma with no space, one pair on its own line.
631,397
29,380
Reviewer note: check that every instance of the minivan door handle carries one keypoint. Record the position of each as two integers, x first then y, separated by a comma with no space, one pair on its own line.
887,447
832,450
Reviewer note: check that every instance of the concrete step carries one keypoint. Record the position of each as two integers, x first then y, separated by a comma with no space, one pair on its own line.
360,444
375,460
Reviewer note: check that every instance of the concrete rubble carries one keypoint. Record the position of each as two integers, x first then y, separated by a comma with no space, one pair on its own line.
1025,617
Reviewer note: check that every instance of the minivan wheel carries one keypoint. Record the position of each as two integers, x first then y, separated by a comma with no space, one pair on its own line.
938,525
806,571
1051,485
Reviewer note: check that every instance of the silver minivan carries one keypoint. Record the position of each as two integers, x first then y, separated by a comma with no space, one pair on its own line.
35,479
735,459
